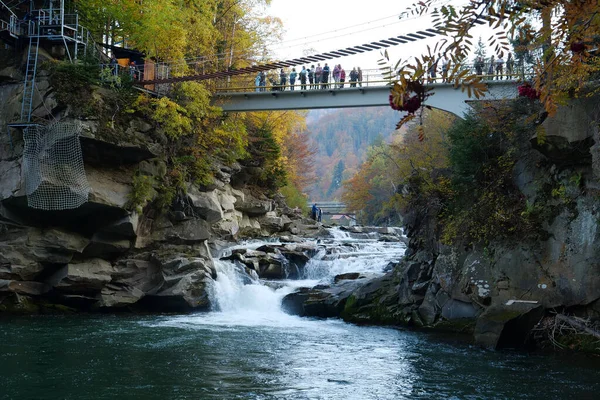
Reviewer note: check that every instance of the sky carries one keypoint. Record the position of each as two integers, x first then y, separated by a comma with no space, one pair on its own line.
331,25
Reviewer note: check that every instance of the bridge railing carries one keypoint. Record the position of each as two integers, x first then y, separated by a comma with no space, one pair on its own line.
370,78
245,83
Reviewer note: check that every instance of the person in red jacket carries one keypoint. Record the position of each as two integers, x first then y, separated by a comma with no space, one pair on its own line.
342,77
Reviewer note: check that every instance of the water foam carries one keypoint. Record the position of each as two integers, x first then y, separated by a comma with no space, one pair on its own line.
239,303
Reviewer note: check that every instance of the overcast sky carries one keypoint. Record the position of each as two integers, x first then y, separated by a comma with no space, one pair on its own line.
330,25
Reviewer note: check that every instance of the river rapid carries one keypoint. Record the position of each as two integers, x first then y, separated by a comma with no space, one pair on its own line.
247,348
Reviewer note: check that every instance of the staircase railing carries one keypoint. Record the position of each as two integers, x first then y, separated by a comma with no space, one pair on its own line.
30,72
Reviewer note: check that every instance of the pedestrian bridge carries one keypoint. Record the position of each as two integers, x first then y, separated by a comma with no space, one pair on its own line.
446,97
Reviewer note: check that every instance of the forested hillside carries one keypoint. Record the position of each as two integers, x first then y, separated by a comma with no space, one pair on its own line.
341,139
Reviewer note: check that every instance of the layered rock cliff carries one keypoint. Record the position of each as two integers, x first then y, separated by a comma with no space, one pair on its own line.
116,250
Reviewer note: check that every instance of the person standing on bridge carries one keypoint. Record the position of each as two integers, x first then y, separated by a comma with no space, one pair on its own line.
311,76
134,72
325,77
510,64
445,66
342,77
499,67
257,82
293,75
303,78
491,67
263,81
353,77
336,74
318,75
360,76
431,71
479,65
282,79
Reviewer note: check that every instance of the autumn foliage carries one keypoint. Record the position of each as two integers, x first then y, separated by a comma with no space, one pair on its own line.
376,189
567,32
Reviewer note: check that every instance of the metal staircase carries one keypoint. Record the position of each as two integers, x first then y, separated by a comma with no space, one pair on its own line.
10,25
30,72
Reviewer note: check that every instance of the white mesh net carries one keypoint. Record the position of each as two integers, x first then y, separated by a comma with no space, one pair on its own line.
53,167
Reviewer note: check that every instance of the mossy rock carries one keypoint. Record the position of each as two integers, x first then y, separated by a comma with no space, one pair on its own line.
25,305
373,313
460,325
580,342
19,304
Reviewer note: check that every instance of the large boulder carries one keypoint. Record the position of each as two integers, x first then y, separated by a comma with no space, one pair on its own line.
116,296
84,277
141,274
273,266
124,227
275,261
249,227
206,204
67,242
227,199
185,285
109,187
131,280
507,325
24,251
323,301
252,206
274,223
185,232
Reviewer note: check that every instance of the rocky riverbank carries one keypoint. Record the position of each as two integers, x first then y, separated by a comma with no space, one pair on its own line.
510,292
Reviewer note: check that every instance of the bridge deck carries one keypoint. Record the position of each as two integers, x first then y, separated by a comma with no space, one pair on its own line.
447,97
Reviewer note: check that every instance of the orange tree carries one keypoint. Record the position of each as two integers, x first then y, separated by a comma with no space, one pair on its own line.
568,32
377,188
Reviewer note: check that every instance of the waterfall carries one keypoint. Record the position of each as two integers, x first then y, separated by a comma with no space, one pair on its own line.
240,300
232,295
344,253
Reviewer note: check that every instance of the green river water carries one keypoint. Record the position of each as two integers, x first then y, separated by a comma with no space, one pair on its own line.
250,349
212,357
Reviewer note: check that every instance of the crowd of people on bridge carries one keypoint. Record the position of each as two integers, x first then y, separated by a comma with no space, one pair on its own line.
313,77
493,68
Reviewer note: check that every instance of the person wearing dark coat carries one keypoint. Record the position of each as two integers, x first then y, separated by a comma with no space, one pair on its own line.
325,77
282,79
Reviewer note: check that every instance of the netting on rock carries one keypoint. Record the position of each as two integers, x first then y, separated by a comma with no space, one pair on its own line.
53,167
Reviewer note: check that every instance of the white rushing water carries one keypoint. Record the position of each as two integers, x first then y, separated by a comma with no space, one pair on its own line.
241,301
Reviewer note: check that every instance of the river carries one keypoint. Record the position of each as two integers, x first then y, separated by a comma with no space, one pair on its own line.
249,349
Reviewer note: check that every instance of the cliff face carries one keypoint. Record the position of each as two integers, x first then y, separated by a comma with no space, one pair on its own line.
499,292
108,252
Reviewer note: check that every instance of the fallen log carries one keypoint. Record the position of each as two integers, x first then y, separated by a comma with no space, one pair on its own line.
577,324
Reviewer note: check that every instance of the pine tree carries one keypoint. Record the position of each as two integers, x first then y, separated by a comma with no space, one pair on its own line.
480,50
336,180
